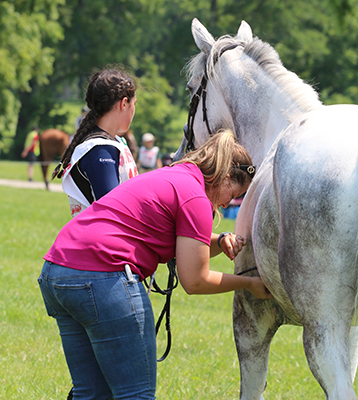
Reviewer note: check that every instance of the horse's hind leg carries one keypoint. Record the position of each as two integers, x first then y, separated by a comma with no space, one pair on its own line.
255,324
44,167
323,296
43,157
353,348
327,353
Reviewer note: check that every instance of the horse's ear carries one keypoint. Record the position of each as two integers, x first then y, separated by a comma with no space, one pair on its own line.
244,34
203,39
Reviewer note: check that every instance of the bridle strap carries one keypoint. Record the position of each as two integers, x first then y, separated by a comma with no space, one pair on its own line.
205,115
196,99
192,111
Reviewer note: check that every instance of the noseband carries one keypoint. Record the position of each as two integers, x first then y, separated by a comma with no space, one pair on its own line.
201,92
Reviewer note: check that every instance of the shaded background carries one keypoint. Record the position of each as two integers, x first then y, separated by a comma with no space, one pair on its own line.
48,48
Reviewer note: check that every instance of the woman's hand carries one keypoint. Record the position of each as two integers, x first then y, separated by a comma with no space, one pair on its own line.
232,244
258,289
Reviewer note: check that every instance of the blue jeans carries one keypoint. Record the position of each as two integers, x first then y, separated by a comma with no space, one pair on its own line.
107,329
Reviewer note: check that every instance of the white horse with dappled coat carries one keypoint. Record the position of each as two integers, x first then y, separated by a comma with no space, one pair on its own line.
300,214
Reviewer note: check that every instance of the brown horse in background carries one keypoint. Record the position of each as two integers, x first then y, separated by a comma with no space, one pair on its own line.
53,142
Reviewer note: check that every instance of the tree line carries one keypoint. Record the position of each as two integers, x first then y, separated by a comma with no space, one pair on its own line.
48,48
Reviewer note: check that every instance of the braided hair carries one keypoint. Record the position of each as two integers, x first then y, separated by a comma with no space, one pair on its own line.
105,89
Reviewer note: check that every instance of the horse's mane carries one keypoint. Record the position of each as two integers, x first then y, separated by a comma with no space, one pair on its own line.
267,58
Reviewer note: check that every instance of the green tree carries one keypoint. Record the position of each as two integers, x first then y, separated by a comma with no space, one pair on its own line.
28,29
98,33
153,38
314,39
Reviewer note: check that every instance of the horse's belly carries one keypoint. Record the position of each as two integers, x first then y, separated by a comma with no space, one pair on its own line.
265,237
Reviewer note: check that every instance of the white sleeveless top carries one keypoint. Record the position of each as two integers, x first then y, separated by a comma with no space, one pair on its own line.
148,157
127,169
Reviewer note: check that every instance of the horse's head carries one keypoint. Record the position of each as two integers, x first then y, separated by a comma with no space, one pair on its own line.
239,83
204,92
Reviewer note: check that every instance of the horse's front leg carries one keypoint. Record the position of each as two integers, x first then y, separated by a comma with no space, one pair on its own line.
255,324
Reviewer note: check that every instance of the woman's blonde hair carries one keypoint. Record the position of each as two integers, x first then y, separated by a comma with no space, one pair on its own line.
220,156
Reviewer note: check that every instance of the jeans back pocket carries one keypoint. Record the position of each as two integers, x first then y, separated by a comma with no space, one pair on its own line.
78,301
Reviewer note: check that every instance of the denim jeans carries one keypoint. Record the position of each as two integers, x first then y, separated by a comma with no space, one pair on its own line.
107,330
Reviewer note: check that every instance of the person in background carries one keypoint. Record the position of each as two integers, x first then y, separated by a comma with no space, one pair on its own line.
132,143
98,158
79,119
149,157
91,280
232,209
31,150
167,159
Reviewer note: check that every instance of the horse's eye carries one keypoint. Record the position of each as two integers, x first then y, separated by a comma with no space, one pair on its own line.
189,87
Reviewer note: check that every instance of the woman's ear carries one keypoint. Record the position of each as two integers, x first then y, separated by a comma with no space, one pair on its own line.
123,103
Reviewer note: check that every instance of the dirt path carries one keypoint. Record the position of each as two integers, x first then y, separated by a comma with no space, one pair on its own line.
54,187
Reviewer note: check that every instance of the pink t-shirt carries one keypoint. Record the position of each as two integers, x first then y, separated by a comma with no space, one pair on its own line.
137,223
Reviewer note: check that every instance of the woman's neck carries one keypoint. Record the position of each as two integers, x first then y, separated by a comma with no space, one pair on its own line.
108,124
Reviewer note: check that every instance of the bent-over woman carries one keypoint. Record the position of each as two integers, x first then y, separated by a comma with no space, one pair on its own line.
92,278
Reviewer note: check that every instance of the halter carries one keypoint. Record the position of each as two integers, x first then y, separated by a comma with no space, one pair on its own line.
201,92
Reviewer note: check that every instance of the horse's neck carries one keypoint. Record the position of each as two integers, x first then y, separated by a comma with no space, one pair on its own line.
270,114
262,107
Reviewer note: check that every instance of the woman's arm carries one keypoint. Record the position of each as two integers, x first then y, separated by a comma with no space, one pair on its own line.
100,165
192,258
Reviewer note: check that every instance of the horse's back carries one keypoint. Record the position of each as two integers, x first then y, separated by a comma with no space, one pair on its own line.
53,142
316,165
55,135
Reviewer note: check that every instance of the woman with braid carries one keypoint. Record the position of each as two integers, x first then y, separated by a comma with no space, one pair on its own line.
97,160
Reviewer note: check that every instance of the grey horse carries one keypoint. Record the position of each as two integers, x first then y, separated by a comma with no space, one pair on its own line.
300,214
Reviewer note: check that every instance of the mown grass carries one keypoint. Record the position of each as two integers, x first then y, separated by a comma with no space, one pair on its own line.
202,363
18,170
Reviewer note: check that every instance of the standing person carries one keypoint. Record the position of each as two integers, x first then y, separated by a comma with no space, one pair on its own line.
31,150
97,160
132,143
91,279
79,119
149,155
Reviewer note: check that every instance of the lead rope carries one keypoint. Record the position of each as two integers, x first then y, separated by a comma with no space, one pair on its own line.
172,284
246,270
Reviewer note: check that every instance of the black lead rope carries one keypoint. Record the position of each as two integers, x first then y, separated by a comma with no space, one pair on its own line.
246,270
172,284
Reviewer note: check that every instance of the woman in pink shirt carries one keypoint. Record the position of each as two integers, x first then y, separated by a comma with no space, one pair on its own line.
91,279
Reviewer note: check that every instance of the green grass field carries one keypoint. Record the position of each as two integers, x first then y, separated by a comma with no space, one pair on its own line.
18,170
202,363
